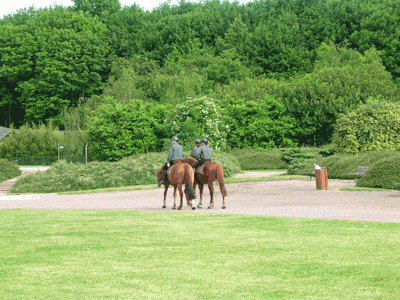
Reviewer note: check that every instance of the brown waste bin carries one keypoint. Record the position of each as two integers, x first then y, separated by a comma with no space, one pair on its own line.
321,178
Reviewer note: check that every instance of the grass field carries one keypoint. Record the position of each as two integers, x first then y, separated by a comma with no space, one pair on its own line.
86,254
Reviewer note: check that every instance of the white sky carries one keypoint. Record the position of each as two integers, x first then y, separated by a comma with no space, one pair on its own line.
9,6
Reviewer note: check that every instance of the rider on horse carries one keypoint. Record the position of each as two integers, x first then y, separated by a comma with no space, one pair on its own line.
175,156
203,154
194,151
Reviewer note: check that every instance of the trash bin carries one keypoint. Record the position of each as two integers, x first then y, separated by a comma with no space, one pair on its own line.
321,178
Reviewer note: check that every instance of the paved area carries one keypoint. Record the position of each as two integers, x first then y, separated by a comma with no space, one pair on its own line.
5,186
286,198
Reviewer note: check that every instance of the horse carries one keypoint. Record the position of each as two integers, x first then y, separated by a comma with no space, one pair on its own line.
178,175
212,171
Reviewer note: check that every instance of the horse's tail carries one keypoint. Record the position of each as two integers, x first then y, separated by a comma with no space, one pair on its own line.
220,179
189,181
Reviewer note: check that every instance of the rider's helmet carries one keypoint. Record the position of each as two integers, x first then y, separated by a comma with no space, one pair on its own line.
175,138
205,140
197,141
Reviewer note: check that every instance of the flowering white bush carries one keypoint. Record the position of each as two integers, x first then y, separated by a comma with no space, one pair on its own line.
198,118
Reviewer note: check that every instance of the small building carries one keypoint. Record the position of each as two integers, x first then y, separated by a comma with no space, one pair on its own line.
4,131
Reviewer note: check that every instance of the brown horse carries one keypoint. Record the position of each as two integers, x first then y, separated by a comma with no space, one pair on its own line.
212,171
178,175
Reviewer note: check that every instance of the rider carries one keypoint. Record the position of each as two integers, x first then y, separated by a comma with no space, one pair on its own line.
175,156
203,153
194,151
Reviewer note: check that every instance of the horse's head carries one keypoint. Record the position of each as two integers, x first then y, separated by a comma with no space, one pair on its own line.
160,176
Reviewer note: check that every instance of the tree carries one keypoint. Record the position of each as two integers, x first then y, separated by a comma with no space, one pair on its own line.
54,59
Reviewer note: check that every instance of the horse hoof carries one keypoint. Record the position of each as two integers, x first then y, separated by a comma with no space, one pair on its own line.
164,206
199,206
210,207
223,207
179,208
193,207
174,207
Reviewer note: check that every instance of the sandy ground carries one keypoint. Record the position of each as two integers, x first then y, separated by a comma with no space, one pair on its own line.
284,198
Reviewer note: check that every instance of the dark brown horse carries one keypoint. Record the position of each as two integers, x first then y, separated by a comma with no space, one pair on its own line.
212,171
178,175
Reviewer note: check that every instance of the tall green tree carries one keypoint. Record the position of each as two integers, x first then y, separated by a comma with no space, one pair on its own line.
54,59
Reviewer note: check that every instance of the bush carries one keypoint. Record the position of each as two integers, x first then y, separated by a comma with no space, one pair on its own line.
297,158
138,169
339,166
198,118
383,174
250,159
32,140
263,123
119,130
8,170
374,126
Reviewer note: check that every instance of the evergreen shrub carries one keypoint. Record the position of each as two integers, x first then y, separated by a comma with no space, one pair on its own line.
339,166
8,170
383,174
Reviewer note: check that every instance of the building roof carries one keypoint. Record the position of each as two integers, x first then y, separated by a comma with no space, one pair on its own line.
4,132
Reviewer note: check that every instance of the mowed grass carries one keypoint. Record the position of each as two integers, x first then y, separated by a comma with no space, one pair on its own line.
87,254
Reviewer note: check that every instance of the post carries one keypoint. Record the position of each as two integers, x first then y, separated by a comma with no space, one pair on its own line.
58,148
86,153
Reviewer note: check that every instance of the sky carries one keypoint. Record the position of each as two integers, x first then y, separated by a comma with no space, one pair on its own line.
9,6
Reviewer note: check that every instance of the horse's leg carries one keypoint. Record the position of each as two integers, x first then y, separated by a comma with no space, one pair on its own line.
194,188
165,196
201,188
211,188
181,194
174,207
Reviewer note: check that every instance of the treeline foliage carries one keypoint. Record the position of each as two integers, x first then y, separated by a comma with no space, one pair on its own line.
280,72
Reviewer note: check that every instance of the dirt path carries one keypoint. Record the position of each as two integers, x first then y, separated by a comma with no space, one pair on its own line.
285,198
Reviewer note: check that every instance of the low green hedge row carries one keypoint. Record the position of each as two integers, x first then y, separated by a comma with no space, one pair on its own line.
8,170
134,170
251,159
383,172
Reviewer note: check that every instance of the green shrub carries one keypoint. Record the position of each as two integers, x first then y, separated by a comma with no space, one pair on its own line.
339,166
198,118
373,126
250,159
137,169
32,140
119,130
297,158
383,174
263,123
8,170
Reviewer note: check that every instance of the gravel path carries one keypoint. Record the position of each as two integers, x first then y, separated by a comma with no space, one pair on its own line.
285,198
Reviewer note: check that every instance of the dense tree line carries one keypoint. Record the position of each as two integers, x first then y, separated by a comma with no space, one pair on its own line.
281,71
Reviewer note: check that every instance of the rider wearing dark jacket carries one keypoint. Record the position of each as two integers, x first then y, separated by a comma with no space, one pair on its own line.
194,150
203,153
175,156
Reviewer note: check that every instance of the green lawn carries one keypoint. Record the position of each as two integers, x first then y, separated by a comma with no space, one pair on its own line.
87,254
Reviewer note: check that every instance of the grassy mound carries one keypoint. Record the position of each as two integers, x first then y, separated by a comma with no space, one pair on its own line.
8,170
340,165
250,159
134,170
